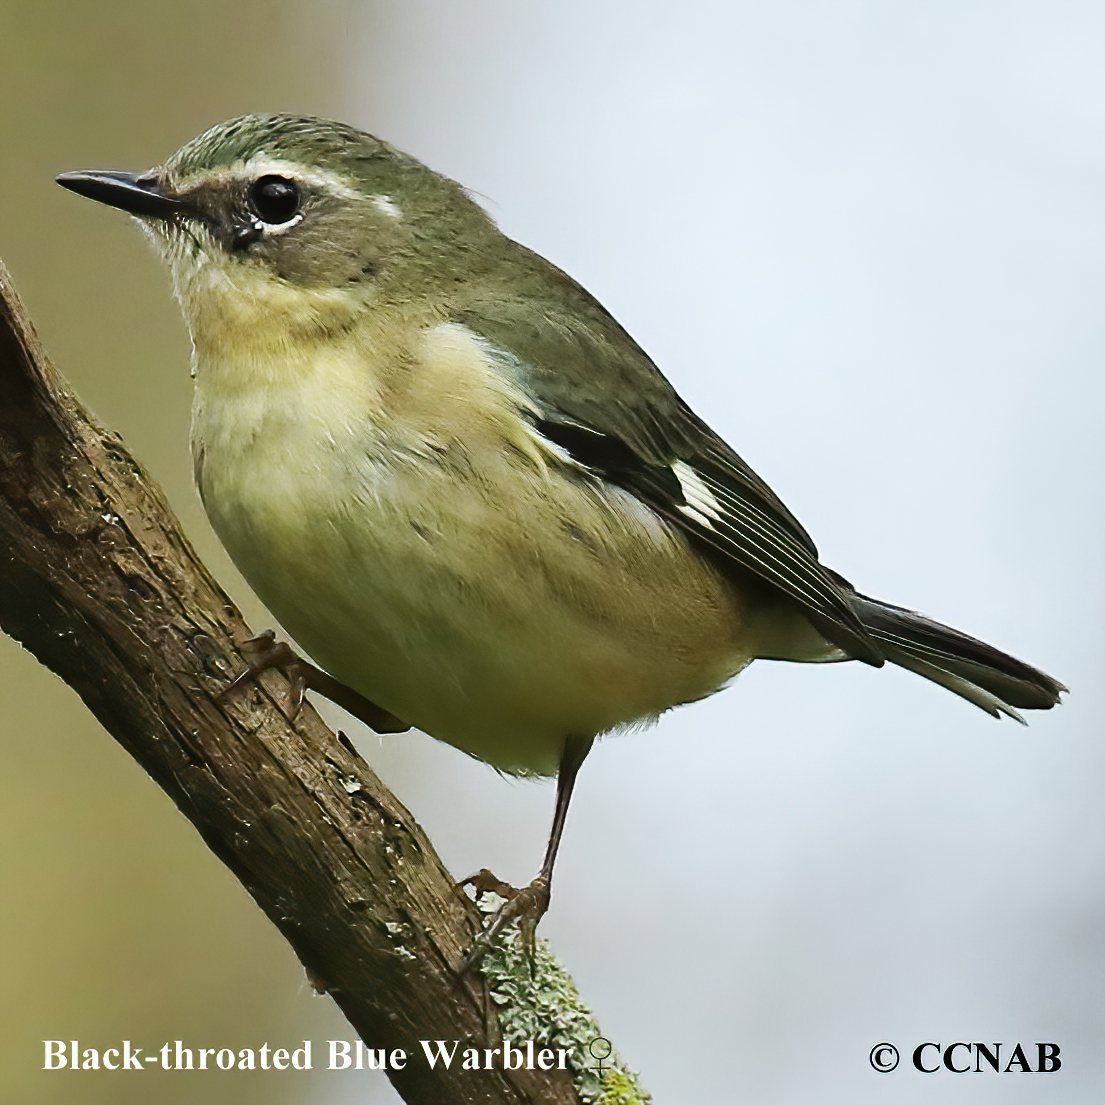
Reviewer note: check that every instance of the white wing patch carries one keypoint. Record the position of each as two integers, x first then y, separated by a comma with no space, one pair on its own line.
701,506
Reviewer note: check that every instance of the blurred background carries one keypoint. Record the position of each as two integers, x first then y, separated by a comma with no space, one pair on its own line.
864,238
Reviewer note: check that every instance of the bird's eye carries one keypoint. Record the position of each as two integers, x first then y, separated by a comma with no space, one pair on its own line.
274,199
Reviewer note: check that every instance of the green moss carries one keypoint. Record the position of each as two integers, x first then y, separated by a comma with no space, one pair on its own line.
540,1002
620,1087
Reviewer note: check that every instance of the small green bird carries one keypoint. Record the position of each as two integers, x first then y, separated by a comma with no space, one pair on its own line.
460,484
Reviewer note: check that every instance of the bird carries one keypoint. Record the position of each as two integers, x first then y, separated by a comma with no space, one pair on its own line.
468,494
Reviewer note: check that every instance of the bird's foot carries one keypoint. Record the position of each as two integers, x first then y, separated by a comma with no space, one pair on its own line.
526,907
264,651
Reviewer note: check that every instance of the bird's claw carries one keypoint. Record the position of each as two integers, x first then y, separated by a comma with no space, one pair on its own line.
526,906
262,653
484,882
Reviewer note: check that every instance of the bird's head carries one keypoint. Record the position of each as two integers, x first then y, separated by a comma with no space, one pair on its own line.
280,221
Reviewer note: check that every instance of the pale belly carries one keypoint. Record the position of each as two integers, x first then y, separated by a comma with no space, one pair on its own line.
496,605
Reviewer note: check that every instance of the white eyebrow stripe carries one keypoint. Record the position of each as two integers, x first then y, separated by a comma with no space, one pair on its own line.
331,182
699,497
263,165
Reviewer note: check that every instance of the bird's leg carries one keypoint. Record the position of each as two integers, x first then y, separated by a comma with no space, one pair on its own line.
529,905
264,651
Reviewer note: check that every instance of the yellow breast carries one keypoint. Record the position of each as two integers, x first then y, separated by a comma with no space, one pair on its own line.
382,491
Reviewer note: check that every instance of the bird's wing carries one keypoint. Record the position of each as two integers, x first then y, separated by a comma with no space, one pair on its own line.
601,399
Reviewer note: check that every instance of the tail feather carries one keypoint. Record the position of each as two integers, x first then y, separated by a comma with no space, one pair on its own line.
972,669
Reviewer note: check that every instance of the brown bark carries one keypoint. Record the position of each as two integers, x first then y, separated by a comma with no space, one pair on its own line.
97,581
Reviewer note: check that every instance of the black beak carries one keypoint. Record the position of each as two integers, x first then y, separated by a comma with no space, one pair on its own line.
138,194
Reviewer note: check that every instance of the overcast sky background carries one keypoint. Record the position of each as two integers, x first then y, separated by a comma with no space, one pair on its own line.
864,240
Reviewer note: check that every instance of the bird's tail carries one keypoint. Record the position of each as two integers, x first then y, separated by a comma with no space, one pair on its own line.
972,669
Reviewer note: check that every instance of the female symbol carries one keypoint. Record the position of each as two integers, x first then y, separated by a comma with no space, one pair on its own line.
600,1048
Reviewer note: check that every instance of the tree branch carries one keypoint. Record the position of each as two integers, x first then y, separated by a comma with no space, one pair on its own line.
97,581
